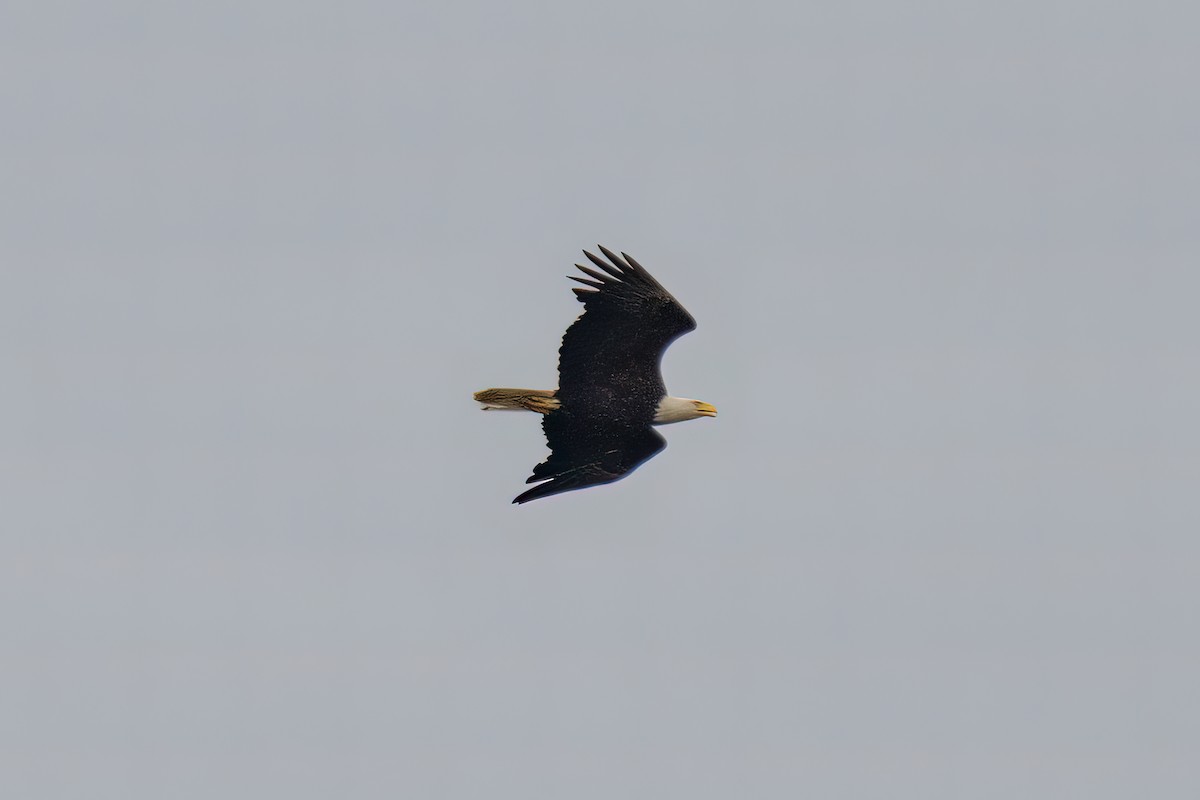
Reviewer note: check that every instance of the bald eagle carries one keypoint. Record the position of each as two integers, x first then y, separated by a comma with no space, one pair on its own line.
610,386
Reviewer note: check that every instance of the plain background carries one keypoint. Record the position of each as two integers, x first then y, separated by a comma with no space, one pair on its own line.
942,541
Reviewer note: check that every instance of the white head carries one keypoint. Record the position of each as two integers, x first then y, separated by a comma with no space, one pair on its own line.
678,409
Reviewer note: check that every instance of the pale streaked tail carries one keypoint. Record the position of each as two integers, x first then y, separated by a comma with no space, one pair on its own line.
542,401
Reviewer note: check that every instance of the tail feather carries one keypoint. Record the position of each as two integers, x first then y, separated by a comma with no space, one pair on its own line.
542,401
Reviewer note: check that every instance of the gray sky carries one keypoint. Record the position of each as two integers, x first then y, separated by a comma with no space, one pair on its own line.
257,541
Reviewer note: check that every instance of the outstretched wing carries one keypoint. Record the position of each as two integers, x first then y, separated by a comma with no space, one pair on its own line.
609,361
584,454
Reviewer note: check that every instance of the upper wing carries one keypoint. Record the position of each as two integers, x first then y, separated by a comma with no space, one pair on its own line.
583,455
610,356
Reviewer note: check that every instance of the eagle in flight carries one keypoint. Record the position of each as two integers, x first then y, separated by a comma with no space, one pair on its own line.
599,422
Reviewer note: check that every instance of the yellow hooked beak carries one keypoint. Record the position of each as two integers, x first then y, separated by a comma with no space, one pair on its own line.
704,409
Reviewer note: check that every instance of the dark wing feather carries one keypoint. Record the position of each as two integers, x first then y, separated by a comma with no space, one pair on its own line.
579,460
608,365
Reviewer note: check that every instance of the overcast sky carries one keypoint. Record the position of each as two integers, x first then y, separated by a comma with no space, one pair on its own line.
257,541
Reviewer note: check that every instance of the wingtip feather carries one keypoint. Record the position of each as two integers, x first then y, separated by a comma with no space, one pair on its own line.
600,276
615,271
632,262
611,256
